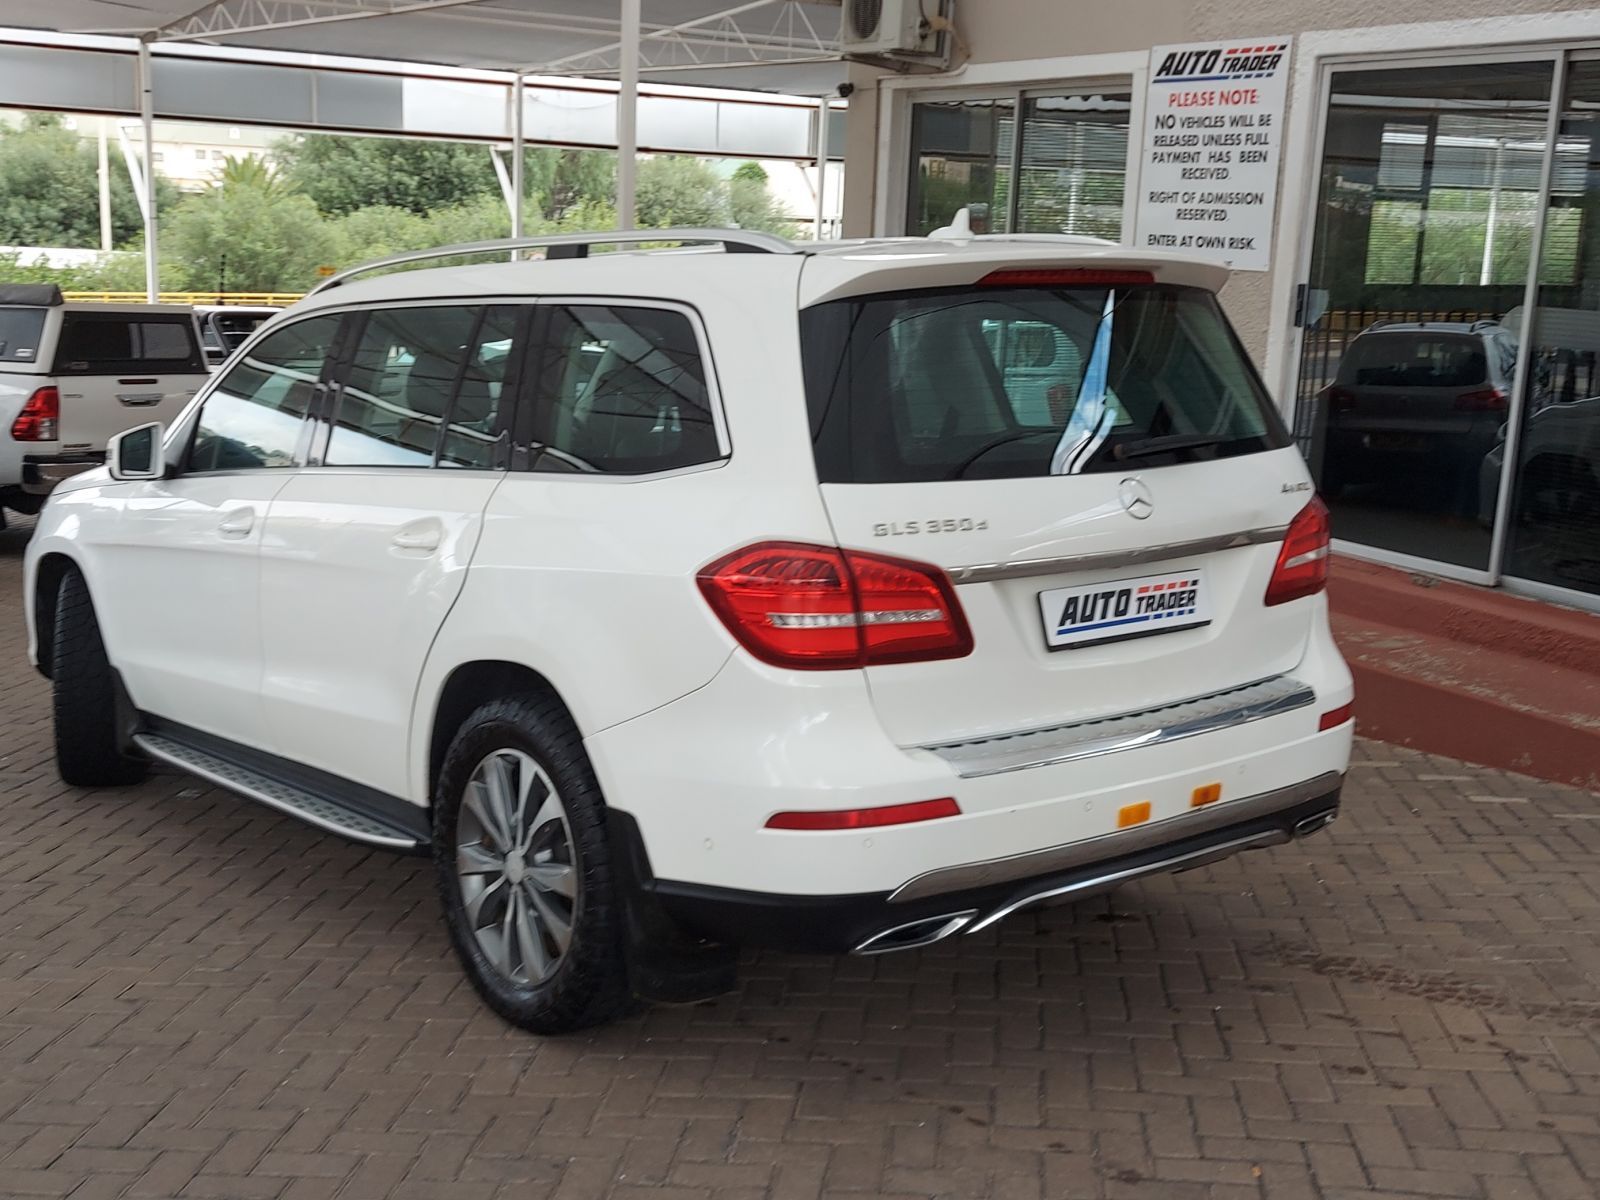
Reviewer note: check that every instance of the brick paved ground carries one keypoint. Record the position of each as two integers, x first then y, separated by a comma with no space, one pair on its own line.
200,999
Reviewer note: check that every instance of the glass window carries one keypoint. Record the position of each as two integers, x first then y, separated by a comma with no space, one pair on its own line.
987,383
398,386
114,343
960,158
622,390
255,415
20,330
475,416
1072,161
1430,189
1553,536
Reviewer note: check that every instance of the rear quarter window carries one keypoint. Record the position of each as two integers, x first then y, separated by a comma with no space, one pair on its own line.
127,344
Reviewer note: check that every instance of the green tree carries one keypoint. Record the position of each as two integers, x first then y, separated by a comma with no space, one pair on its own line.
557,180
752,172
343,174
50,190
676,190
240,237
752,206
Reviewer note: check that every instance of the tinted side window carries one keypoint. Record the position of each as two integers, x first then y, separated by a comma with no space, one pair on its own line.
473,421
123,343
402,376
622,390
254,416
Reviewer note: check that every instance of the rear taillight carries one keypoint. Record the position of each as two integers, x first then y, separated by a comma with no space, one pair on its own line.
40,417
1302,568
1340,399
820,608
1483,400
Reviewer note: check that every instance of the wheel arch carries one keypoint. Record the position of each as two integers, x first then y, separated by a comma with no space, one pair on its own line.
467,686
48,574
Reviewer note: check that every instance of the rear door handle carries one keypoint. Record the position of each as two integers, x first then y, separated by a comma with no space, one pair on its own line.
140,399
424,535
238,523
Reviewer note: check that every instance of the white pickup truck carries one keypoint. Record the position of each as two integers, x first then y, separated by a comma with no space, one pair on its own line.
74,375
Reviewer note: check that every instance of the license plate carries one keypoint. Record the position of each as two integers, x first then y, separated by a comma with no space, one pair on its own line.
1124,608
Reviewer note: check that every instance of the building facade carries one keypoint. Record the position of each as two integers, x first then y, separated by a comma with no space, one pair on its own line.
1429,313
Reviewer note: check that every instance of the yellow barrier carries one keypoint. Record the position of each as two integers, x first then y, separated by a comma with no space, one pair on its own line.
249,298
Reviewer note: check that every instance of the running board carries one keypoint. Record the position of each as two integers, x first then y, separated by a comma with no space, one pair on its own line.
314,808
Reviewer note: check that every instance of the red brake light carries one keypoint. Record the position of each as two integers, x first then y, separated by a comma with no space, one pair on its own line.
1302,568
820,608
40,417
1341,399
866,818
1068,277
1483,400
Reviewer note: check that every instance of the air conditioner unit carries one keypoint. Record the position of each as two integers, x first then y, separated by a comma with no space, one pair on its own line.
896,29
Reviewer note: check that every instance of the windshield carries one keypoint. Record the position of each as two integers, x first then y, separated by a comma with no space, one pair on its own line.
20,331
1005,382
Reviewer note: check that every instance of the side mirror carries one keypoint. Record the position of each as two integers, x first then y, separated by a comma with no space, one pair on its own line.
136,453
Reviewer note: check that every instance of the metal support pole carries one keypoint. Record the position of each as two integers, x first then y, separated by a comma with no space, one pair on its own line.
152,272
105,190
517,177
824,112
628,115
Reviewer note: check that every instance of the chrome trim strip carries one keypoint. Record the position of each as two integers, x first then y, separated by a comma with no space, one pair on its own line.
157,747
1113,845
1033,567
1031,748
1178,862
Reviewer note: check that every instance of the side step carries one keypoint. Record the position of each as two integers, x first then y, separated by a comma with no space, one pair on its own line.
311,807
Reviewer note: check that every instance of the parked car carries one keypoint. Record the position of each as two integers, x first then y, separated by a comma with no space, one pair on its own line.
1560,473
1418,396
679,602
226,327
72,375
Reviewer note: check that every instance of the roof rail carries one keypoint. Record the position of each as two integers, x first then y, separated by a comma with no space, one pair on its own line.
576,245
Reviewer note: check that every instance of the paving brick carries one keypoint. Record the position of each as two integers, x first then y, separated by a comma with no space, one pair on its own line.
201,999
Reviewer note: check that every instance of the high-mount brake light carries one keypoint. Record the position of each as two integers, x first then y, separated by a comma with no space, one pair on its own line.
1064,277
1302,567
821,608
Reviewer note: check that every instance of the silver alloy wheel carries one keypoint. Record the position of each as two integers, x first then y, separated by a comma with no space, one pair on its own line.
516,867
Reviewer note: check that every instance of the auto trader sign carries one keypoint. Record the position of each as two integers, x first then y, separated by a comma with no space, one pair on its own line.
1208,183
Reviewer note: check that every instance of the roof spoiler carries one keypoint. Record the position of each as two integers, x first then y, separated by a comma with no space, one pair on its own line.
31,295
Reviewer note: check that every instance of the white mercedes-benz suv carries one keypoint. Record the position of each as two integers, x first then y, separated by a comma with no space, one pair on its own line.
842,598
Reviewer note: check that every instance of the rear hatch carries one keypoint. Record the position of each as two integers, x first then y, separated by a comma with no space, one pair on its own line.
1402,386
1091,458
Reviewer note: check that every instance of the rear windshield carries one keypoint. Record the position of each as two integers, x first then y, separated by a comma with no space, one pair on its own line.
1007,382
1415,360
20,331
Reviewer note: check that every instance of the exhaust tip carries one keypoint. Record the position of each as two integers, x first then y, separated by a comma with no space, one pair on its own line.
916,933
1311,824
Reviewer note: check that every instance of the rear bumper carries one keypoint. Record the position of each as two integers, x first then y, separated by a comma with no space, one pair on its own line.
41,475
875,923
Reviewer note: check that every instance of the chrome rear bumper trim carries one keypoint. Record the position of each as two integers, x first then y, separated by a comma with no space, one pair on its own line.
1110,846
1126,731
1030,568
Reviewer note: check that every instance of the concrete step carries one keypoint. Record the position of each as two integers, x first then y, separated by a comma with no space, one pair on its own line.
1502,707
1459,612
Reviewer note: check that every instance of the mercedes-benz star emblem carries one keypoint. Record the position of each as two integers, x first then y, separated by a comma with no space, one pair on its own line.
1136,499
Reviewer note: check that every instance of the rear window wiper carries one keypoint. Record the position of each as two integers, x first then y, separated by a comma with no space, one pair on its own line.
1151,446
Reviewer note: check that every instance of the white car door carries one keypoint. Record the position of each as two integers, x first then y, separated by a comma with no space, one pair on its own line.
122,367
366,550
184,624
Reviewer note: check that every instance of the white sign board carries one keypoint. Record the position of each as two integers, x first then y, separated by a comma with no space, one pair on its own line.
1213,122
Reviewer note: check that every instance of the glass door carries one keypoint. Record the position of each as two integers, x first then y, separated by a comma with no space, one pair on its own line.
1552,530
1430,195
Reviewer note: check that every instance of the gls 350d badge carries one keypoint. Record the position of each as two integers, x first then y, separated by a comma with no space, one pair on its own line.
1124,608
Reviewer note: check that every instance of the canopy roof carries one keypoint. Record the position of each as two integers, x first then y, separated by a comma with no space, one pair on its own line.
786,46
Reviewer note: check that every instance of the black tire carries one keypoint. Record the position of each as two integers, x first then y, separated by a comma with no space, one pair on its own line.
89,750
588,984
